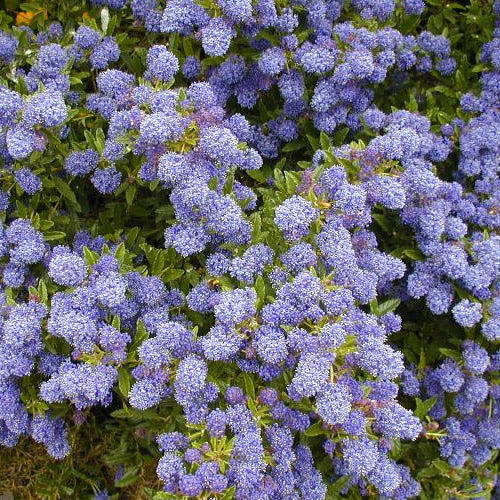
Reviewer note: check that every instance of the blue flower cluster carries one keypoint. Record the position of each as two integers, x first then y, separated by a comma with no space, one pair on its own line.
23,119
467,403
102,50
446,218
314,327
347,61
21,245
229,234
189,144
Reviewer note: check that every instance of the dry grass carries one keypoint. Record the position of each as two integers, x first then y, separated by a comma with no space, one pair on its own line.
31,474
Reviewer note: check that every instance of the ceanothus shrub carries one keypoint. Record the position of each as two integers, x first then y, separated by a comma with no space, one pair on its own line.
250,250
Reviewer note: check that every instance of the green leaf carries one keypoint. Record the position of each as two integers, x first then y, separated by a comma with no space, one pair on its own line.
116,323
258,175
90,257
413,253
112,25
213,183
313,141
450,353
388,306
412,105
158,264
66,191
228,185
293,146
339,136
90,139
133,63
427,472
279,179
130,194
132,235
383,222
423,407
324,141
130,477
249,386
137,415
314,430
163,495
120,252
338,485
42,291
228,494
423,361
260,288
54,235
256,221
292,180
281,163
171,274
479,68
409,24
124,381
441,465
46,224
140,336
435,23
461,80
444,90
477,494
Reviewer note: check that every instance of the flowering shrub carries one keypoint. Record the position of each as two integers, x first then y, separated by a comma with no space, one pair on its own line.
250,250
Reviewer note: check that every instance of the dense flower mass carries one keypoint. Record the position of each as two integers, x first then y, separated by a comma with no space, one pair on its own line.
250,250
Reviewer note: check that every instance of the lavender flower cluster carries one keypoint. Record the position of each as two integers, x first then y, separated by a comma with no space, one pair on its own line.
472,420
187,237
451,223
189,145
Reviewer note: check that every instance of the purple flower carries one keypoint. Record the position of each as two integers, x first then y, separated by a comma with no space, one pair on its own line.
272,61
294,217
467,313
29,181
67,269
46,109
81,162
216,37
106,180
161,63
86,37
